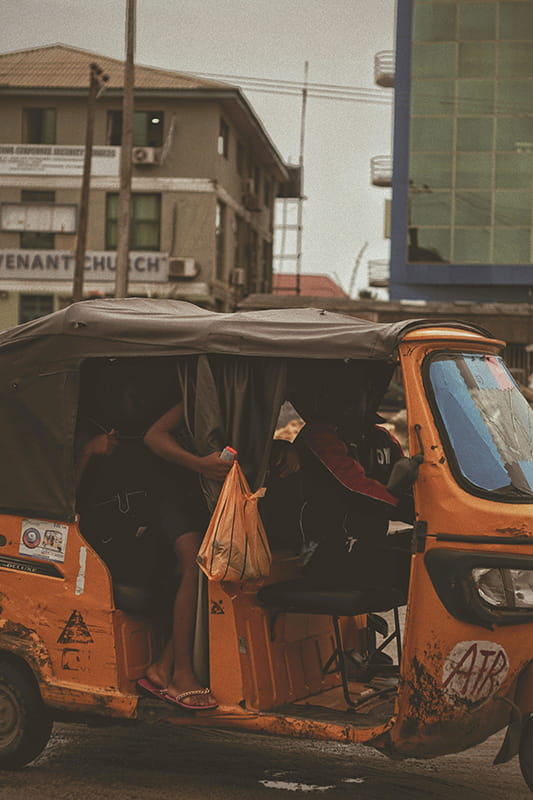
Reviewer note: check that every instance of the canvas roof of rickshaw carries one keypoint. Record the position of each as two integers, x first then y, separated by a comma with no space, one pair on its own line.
40,373
137,326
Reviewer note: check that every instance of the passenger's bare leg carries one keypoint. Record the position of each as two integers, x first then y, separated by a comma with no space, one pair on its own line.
173,670
161,670
183,678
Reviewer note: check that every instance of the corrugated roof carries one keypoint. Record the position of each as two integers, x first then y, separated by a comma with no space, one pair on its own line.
310,285
65,67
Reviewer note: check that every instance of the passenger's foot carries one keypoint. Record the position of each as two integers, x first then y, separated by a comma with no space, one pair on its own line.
156,675
190,695
145,686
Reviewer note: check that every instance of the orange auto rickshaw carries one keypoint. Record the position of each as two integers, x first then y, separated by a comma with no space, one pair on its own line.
285,661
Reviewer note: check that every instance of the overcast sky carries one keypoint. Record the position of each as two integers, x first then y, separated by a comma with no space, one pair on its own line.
267,39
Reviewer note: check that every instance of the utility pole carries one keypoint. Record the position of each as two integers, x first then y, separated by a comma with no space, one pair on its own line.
124,200
299,228
97,81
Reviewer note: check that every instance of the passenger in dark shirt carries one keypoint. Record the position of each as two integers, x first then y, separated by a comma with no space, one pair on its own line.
347,485
347,507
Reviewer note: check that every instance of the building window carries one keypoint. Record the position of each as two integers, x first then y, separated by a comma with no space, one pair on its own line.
32,196
223,139
147,128
39,126
32,306
37,239
145,228
38,217
220,236
114,128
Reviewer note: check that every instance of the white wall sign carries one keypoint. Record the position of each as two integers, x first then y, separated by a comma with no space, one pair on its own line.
42,265
56,159
47,217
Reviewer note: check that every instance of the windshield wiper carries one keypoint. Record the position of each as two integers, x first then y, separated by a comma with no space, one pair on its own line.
513,490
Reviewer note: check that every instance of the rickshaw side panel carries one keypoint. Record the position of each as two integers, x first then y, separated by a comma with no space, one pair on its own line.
260,659
64,625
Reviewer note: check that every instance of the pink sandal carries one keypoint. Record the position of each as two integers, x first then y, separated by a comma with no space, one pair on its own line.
177,700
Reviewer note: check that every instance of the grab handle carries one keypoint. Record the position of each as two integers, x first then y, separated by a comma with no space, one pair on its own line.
419,457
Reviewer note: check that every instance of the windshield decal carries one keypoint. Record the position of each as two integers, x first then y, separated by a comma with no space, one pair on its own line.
503,379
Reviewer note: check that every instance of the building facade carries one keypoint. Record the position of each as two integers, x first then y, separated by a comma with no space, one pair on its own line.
204,183
461,223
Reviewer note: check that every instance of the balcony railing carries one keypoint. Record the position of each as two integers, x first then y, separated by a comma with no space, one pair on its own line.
384,68
378,273
381,170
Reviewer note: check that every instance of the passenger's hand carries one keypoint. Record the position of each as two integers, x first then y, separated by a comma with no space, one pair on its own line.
213,467
286,460
102,445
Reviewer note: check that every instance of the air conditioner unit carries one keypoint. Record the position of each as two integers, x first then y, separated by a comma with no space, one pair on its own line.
182,268
238,277
143,155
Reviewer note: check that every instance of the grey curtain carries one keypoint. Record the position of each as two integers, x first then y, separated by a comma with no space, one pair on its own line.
233,401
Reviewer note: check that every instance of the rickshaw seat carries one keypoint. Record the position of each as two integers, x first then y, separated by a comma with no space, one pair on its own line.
299,597
132,599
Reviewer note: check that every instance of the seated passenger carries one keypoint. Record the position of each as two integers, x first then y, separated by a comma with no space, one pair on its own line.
349,488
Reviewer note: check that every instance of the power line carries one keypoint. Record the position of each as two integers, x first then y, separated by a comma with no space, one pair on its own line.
353,99
359,94
280,82
321,89
331,91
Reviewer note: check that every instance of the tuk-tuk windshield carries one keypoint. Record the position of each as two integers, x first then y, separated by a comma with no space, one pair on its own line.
488,422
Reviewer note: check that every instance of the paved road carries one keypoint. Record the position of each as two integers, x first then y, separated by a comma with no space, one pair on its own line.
141,762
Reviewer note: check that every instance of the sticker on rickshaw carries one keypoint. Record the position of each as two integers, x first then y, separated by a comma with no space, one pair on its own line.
474,671
42,539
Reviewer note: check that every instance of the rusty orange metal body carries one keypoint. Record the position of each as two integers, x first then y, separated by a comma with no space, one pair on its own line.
453,692
458,680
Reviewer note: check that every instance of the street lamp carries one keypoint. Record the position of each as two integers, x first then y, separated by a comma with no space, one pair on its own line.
97,83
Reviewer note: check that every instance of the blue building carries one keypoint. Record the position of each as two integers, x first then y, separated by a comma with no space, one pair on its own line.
461,221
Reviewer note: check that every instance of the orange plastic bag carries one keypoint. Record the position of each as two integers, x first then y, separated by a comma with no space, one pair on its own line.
235,546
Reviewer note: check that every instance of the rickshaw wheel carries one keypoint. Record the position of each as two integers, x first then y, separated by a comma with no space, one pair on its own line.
25,724
525,753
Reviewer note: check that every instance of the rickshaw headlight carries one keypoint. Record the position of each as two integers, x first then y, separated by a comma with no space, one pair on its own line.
505,588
